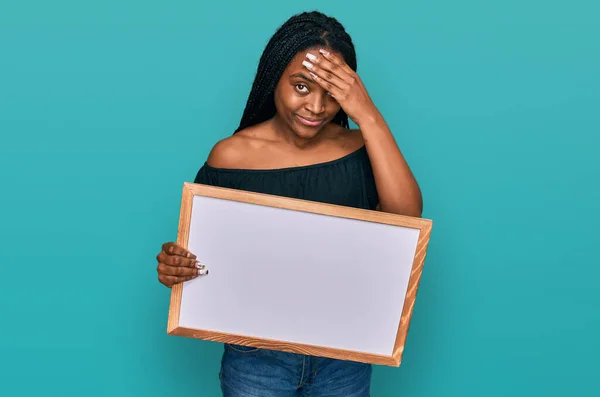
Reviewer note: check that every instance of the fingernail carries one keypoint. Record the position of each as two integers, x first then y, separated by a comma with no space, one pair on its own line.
314,76
200,265
324,52
307,64
311,57
202,272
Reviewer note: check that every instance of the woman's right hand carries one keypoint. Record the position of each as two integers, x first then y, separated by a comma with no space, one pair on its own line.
176,265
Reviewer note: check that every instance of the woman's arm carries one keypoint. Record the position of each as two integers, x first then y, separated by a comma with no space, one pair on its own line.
397,187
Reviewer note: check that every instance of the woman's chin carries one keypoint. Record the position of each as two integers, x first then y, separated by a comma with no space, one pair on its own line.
307,133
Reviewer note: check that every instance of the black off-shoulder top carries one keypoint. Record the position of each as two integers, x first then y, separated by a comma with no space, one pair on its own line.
346,181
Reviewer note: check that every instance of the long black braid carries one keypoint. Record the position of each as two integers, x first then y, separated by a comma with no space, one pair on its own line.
300,32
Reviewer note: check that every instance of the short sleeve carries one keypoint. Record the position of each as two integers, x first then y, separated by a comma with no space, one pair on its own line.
207,175
202,176
370,186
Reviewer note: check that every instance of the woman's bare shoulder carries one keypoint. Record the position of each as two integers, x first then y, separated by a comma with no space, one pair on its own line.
350,139
226,153
236,151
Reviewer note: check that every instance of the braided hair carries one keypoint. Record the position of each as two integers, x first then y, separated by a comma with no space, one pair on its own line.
299,33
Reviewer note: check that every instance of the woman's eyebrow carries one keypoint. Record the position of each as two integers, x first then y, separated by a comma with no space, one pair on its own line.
302,76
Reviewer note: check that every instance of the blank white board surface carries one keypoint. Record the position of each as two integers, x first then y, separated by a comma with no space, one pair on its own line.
297,277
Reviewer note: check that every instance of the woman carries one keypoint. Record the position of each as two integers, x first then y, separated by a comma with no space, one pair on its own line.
294,140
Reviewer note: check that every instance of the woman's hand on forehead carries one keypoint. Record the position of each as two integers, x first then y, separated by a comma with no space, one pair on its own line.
342,83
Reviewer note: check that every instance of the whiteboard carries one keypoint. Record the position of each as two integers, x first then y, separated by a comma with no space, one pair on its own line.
290,274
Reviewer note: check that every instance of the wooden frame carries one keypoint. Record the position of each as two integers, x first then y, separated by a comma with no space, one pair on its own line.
190,190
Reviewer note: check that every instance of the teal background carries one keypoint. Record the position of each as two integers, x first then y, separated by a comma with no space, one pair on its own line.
106,108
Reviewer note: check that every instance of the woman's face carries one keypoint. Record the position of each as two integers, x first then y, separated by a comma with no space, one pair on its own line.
301,103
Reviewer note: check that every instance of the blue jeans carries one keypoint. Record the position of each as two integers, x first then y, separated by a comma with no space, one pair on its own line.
250,372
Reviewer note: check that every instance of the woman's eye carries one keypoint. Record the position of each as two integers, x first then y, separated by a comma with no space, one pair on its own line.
302,88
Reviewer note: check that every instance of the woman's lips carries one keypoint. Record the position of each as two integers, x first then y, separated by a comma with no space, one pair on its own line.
310,122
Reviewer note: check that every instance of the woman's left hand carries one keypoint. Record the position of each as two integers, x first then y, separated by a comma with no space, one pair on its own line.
343,84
